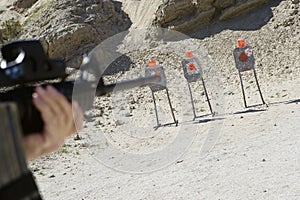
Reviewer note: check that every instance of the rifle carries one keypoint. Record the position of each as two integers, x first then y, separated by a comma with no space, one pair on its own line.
25,64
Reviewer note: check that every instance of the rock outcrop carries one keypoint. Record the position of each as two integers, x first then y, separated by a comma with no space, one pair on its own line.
186,15
24,4
70,28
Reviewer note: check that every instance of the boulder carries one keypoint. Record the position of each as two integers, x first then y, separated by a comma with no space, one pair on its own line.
182,15
24,4
240,8
69,28
186,15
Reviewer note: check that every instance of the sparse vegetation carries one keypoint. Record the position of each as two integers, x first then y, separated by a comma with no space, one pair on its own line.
63,150
41,174
10,29
202,110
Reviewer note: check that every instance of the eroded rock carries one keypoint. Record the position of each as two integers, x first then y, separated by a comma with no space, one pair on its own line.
70,28
184,16
24,4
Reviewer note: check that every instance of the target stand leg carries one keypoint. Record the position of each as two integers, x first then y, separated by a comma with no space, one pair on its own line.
257,83
192,100
156,112
243,91
207,98
155,108
171,108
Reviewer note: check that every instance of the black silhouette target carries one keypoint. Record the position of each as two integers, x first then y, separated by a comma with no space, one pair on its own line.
154,69
244,61
192,68
193,73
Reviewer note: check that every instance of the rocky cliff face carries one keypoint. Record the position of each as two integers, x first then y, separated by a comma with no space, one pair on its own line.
70,28
186,15
24,4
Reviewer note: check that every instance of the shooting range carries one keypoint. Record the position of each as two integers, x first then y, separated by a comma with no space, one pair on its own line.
194,73
244,61
155,69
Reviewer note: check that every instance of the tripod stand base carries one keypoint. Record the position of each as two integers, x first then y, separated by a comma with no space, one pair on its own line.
167,124
207,98
259,90
171,109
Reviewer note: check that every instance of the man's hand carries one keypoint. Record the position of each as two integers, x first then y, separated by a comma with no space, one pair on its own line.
61,119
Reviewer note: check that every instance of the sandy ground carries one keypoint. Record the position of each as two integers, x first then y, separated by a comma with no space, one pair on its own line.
256,157
238,154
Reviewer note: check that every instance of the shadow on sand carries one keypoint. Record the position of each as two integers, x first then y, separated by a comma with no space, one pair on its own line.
202,121
293,101
250,111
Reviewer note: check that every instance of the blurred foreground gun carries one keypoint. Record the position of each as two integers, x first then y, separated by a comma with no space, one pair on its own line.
25,64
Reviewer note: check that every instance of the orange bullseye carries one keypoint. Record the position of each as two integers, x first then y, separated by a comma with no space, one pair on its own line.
192,67
243,57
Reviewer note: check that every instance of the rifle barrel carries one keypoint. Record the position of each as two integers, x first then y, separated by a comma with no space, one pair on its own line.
126,85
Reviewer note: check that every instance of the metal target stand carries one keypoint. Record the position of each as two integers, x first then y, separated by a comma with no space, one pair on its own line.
193,73
244,61
154,69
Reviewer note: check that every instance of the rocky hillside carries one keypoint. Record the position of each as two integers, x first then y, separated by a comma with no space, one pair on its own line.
184,16
69,29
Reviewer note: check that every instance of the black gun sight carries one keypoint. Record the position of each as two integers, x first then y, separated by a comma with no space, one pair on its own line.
26,62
